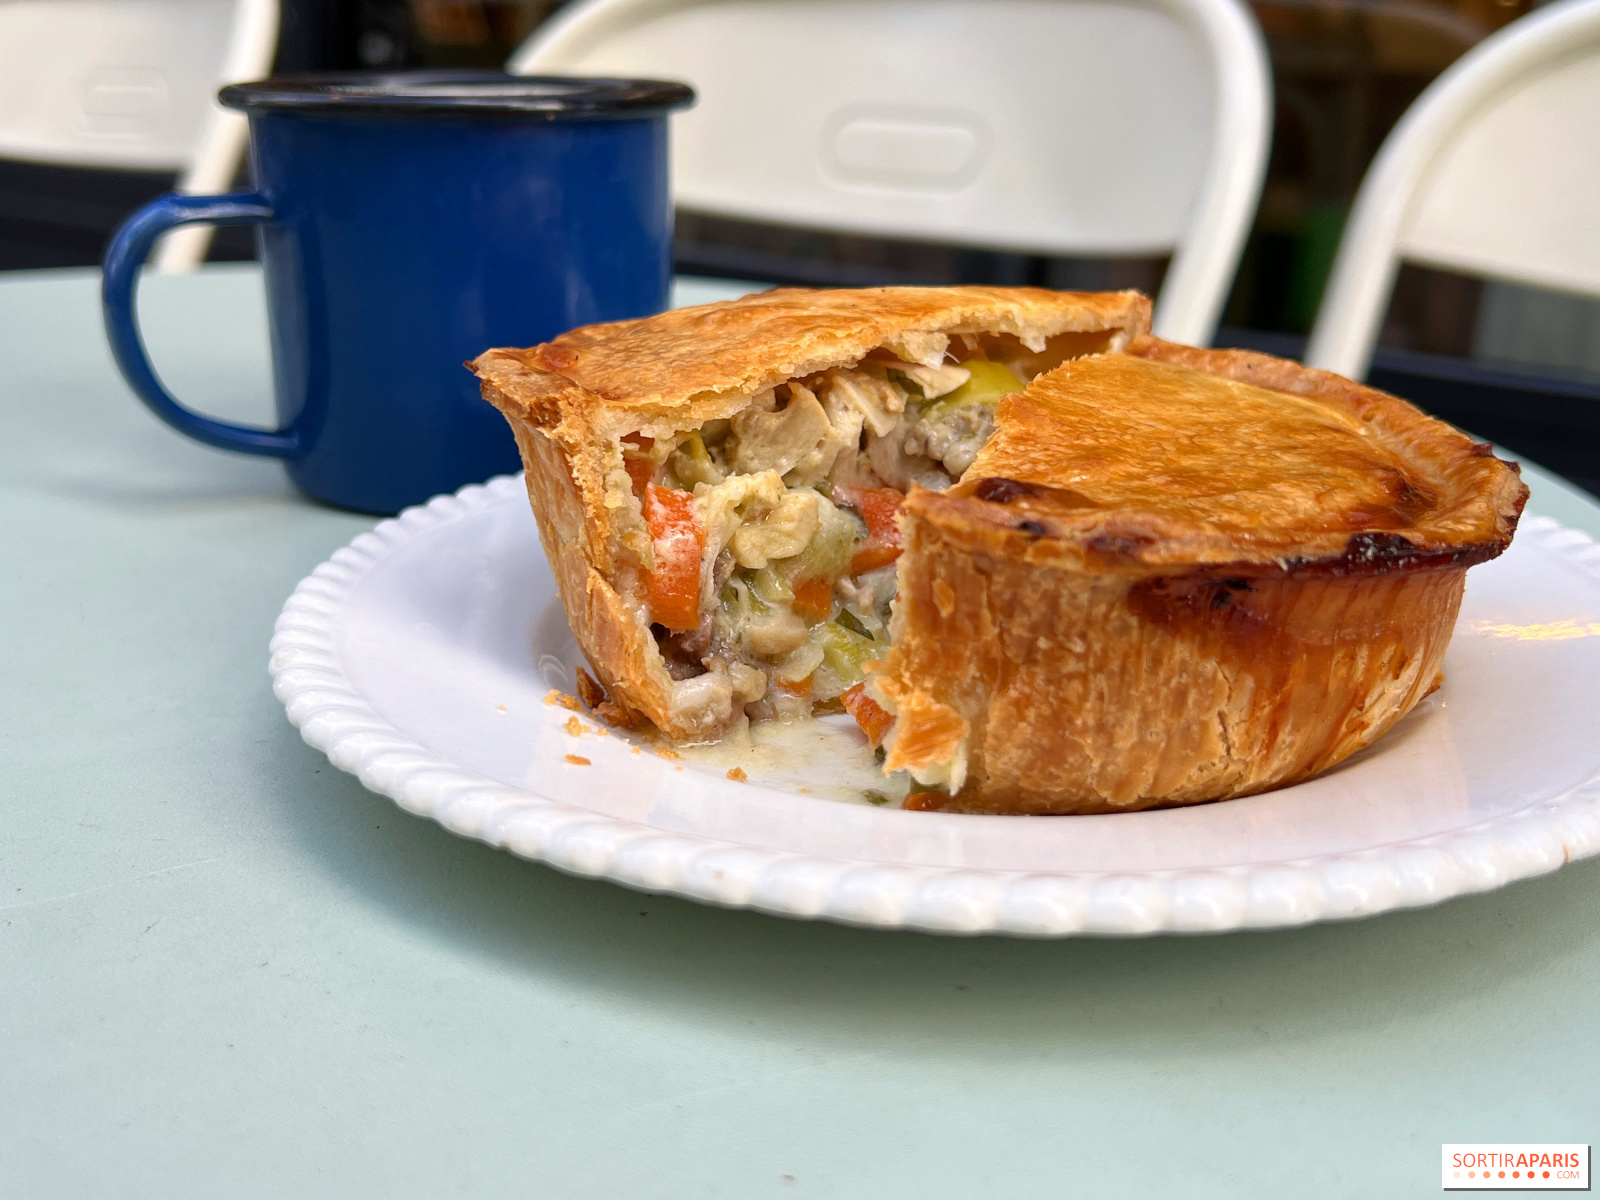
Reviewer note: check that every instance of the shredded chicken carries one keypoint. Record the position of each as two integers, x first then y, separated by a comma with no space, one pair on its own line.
878,401
781,533
774,633
773,439
936,381
722,508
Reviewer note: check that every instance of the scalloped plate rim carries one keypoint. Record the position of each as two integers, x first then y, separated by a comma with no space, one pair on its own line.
335,718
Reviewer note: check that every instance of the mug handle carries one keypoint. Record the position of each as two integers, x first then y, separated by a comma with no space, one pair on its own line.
126,254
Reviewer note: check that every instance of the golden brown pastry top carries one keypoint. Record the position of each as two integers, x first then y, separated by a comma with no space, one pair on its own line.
672,367
1171,455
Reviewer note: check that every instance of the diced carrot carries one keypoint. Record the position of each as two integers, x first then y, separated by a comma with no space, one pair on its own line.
674,584
795,687
879,508
871,557
869,714
813,599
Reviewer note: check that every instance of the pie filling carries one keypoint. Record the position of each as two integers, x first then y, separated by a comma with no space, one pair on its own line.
767,542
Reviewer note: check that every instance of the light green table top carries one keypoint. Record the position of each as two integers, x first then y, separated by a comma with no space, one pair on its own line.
226,970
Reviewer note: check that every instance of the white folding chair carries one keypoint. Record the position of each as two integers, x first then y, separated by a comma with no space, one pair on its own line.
132,84
1068,127
1494,171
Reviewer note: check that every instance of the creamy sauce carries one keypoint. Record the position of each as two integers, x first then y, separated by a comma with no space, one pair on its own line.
825,756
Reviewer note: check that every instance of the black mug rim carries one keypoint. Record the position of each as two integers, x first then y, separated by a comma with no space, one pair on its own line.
415,94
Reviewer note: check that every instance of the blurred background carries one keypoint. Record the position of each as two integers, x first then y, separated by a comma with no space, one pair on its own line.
1518,364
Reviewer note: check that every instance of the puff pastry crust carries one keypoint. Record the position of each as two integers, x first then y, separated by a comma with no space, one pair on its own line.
1181,575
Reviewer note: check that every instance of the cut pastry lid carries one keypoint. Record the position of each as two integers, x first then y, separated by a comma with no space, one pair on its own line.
1169,455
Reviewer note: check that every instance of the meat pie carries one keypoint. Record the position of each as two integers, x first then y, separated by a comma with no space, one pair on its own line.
1051,564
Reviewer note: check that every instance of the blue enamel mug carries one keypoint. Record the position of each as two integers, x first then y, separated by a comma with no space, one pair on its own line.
407,223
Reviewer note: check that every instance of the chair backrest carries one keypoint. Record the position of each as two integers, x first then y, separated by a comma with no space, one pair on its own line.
1494,171
1134,127
113,83
132,84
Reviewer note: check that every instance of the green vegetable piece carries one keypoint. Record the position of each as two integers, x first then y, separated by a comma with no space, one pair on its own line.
770,586
844,652
739,600
989,381
875,797
853,623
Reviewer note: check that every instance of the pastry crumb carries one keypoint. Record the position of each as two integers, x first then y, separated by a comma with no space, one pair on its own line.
666,752
500,708
621,718
737,774
590,692
805,791
578,760
575,727
635,749
554,697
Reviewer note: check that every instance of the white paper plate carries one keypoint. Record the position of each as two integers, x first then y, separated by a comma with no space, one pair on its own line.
419,658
